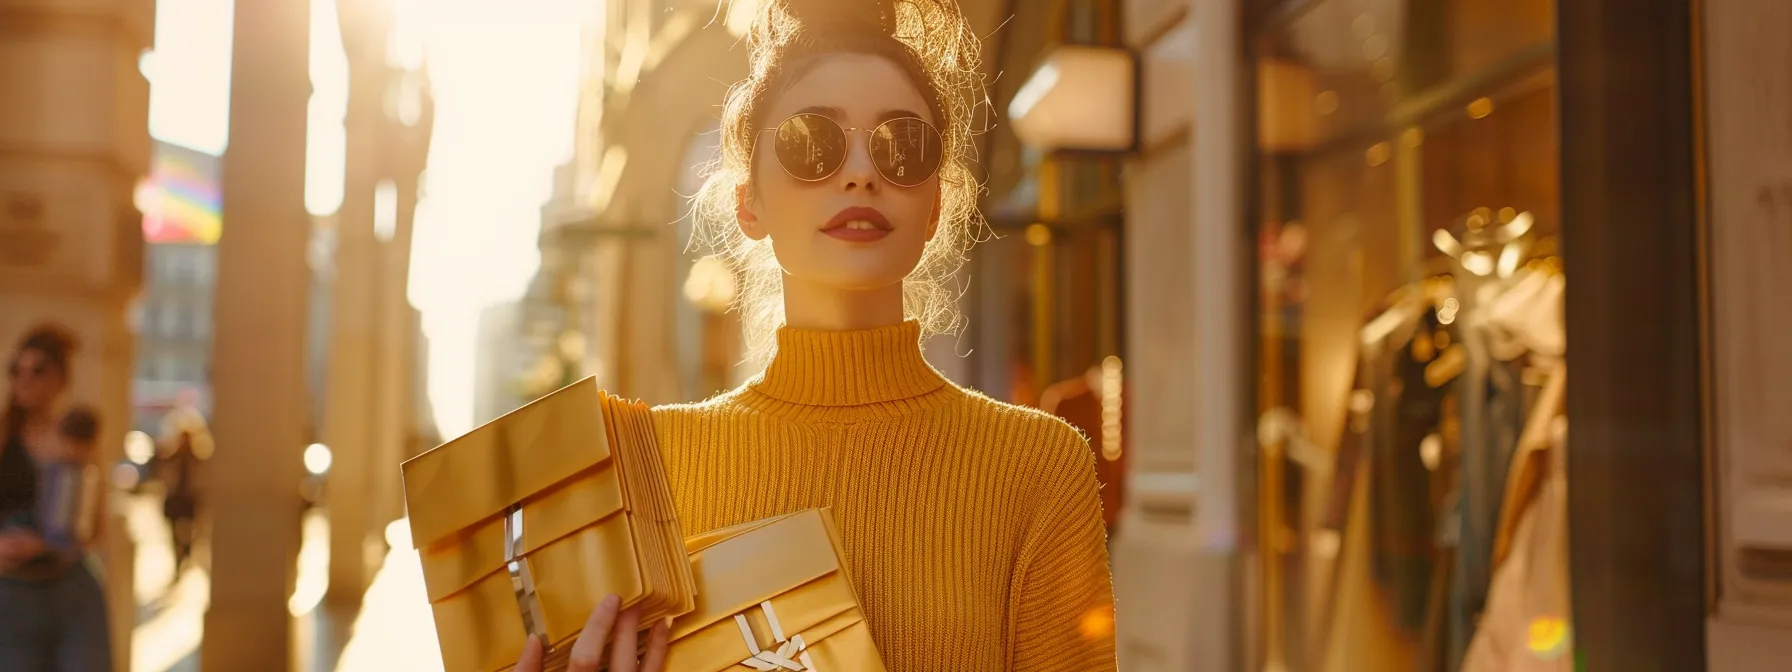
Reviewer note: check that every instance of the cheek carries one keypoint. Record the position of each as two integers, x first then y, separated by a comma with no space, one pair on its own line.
919,206
782,205
777,196
28,392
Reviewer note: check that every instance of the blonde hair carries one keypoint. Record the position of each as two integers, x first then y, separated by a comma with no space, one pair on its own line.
931,41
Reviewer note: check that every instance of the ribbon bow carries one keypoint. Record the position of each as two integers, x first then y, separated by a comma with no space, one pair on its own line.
772,661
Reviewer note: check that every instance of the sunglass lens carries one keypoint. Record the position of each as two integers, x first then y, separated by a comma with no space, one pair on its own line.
907,151
810,146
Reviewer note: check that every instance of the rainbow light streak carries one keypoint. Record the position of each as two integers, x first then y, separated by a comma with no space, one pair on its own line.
180,200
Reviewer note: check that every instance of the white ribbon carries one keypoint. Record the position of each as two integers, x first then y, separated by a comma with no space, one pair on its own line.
522,581
772,661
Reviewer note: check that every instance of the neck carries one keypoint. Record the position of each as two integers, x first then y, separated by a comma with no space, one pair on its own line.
809,305
39,419
849,367
27,421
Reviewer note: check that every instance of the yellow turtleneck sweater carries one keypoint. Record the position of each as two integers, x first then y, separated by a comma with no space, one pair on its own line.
973,528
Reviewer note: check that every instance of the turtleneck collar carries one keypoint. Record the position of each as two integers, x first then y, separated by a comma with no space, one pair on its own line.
849,368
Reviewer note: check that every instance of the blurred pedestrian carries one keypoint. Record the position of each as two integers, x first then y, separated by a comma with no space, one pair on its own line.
52,609
180,474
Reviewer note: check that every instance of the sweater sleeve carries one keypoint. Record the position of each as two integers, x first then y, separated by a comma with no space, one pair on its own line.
1061,614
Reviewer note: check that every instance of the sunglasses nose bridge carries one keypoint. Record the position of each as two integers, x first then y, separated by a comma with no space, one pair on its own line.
858,167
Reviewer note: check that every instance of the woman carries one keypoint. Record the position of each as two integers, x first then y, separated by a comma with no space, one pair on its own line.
845,203
180,503
52,610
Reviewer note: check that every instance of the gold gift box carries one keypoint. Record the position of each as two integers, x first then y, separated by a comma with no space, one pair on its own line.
773,595
525,524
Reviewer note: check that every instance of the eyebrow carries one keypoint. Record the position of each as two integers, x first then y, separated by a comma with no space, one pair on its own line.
838,114
897,114
834,113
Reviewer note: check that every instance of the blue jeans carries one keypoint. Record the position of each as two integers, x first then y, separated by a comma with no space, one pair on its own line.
55,625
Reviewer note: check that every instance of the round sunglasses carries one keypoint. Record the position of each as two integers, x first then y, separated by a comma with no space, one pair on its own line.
812,147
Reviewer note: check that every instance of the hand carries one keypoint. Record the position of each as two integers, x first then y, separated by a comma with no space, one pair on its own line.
17,547
605,624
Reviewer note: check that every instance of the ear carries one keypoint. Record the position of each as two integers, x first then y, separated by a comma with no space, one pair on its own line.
745,214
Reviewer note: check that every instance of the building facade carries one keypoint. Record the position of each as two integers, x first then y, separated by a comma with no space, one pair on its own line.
74,142
369,417
174,332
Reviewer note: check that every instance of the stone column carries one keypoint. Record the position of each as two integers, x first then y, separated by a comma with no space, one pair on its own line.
258,351
1223,441
74,140
350,418
404,153
1177,568
394,420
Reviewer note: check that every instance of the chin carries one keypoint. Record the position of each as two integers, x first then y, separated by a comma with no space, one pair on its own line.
856,278
863,269
863,282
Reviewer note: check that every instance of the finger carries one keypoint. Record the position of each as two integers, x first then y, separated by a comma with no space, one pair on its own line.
531,658
587,652
657,643
624,653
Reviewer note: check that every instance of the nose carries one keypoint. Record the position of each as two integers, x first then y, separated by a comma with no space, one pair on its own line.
858,173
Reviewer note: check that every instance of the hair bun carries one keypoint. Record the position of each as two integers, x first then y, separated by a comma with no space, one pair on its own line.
851,16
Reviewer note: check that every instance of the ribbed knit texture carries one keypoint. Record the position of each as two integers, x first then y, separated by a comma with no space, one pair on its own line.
972,528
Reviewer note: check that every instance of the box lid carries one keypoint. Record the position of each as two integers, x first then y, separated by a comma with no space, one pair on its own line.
481,474
775,581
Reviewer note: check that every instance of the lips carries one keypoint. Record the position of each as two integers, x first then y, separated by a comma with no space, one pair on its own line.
858,225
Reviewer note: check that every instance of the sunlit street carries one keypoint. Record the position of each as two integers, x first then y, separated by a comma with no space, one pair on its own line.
820,335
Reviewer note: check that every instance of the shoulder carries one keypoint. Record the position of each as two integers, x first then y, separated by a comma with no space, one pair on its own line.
1046,441
726,408
721,404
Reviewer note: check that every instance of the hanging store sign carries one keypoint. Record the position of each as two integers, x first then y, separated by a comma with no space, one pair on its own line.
1081,98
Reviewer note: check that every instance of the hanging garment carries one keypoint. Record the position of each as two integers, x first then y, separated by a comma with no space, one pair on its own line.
1526,626
1505,325
1388,493
1401,501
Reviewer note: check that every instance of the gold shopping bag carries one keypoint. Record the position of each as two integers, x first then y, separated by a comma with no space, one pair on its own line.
525,524
773,595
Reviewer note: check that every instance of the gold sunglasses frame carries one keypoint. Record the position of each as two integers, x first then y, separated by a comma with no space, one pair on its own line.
848,130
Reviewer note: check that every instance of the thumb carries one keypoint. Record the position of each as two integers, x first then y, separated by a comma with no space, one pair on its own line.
531,659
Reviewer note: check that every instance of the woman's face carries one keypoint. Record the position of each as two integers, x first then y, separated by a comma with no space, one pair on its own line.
36,381
854,230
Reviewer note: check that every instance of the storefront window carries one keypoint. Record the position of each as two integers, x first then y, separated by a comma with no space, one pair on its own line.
1410,335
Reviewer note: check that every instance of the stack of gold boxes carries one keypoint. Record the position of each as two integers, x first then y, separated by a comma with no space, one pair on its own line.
525,524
